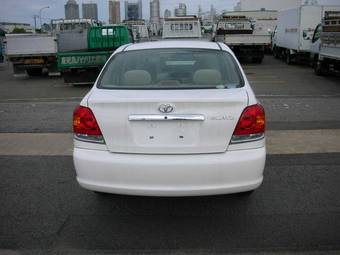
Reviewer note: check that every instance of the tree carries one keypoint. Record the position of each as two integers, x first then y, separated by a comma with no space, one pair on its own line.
18,30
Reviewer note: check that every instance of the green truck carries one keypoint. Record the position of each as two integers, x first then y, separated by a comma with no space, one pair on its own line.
83,66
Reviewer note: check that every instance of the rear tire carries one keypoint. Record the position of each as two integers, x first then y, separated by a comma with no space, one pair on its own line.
288,58
34,72
275,53
101,194
246,194
318,67
257,60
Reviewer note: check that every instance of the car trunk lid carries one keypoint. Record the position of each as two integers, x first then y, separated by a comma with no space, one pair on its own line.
136,121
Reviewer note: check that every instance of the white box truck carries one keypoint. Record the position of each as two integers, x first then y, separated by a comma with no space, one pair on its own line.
295,28
325,49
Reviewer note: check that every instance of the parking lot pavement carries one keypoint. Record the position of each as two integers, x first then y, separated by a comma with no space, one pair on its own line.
293,97
279,142
282,114
297,209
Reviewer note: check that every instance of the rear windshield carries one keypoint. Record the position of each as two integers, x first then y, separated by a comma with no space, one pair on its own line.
171,69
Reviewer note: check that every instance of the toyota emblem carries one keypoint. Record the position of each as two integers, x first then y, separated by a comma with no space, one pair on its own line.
166,108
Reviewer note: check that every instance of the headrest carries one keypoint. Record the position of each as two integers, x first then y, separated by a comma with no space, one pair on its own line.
137,77
207,77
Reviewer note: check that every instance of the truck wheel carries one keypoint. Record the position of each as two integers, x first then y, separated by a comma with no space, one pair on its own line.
257,60
288,58
246,194
318,67
275,53
34,71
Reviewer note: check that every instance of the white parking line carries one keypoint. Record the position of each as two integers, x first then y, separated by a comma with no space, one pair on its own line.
278,142
41,99
296,95
268,81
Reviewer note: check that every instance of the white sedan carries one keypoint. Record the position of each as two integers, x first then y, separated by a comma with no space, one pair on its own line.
170,118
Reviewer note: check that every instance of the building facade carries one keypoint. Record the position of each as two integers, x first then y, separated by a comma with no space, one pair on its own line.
133,10
167,13
276,5
154,11
71,10
8,27
114,12
90,11
181,10
155,14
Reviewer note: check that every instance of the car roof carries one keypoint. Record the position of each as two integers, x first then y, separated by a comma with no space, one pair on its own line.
166,44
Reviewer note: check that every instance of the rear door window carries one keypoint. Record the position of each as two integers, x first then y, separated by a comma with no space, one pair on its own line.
171,69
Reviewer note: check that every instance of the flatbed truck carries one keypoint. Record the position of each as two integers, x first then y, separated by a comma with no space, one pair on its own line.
238,32
83,66
325,49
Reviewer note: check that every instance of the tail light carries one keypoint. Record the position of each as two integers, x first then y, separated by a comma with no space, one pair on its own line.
85,126
251,125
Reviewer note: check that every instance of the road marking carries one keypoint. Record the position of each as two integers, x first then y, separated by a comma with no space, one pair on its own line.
77,99
303,141
297,96
278,142
49,144
42,99
271,82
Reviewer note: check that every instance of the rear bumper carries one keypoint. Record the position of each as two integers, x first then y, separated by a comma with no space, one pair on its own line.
170,175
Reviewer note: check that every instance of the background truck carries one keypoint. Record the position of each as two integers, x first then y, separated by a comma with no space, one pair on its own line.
239,33
295,28
182,27
138,30
83,66
72,33
2,47
265,21
31,53
325,49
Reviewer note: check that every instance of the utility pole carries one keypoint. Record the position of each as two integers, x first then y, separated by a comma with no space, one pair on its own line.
46,7
35,22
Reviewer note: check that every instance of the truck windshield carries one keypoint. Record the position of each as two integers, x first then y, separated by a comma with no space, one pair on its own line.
171,69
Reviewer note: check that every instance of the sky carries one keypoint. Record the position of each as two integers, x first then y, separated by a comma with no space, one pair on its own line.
24,10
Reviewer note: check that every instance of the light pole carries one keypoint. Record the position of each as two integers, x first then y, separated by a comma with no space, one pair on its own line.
46,7
35,22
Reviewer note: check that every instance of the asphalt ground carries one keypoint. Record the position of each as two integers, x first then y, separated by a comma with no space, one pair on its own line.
295,211
294,99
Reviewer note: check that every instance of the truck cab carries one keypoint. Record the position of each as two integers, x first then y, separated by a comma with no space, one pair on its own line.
182,27
315,45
